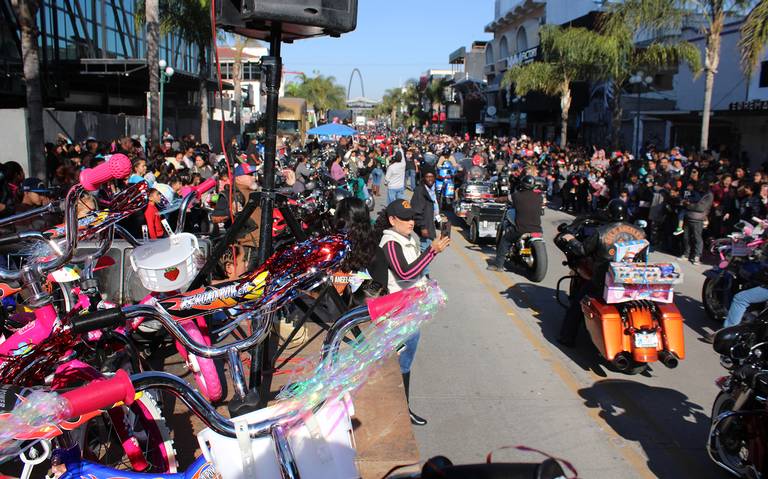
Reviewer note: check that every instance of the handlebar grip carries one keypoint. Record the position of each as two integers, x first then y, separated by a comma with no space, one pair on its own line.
97,320
10,239
205,186
117,167
100,394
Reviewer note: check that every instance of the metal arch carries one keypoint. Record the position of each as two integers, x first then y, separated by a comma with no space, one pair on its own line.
349,85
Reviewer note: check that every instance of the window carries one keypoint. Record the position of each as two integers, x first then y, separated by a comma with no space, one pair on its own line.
522,39
503,48
489,54
764,75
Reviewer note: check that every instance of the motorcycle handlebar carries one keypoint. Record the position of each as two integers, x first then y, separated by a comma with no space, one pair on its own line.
117,167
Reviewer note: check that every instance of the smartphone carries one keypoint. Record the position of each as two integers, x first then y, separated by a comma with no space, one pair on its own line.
445,229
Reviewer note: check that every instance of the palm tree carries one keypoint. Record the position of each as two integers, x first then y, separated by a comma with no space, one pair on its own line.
569,54
26,13
390,105
191,20
669,15
622,24
239,46
435,93
322,92
754,36
152,14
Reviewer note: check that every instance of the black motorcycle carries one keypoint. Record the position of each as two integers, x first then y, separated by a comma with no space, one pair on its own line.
739,429
529,251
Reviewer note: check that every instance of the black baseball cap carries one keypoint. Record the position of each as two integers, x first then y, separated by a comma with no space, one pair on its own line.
401,209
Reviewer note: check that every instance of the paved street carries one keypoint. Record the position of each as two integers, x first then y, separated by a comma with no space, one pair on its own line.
489,374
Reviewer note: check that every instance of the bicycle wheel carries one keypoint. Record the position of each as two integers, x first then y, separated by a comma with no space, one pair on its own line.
153,450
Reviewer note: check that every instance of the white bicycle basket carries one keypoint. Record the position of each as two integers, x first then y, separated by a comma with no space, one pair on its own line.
167,264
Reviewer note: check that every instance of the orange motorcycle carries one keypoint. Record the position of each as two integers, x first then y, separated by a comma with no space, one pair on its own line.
635,321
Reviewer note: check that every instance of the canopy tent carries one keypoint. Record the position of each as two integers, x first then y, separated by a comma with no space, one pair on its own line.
333,129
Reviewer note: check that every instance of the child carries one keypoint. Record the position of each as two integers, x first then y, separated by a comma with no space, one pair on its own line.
152,215
690,195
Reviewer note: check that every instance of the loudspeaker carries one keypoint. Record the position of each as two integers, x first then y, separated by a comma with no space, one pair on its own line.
298,18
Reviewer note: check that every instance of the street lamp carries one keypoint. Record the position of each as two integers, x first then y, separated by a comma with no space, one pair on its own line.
640,81
166,72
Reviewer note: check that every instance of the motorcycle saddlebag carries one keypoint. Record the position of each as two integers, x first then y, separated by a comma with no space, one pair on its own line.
603,323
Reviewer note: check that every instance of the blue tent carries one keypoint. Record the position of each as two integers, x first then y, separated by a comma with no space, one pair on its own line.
332,129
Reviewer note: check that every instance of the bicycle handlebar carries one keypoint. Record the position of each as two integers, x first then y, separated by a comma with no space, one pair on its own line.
100,394
117,167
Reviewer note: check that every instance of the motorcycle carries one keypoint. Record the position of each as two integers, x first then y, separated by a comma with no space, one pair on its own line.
635,322
444,185
739,429
741,255
528,251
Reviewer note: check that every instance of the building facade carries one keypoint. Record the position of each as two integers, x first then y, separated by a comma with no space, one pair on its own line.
515,28
250,82
93,60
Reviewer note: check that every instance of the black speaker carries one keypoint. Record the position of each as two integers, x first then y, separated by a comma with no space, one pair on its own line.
298,18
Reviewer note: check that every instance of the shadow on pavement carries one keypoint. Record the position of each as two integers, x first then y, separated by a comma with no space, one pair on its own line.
670,428
549,316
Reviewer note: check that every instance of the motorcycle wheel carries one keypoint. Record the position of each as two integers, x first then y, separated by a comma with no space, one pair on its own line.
474,234
731,449
715,299
539,269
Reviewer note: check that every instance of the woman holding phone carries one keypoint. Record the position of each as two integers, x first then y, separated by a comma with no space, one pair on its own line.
407,265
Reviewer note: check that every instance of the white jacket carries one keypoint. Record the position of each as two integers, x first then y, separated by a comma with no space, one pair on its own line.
395,177
411,250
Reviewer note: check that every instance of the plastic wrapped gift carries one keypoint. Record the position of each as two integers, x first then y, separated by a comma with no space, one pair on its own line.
645,273
621,293
627,251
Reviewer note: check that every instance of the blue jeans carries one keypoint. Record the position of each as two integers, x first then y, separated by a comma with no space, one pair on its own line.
376,176
742,301
406,355
395,194
425,243
410,179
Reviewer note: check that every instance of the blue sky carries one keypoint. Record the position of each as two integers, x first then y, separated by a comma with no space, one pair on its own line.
395,40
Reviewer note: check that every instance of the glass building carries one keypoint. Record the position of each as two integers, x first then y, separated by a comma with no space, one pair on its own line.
93,57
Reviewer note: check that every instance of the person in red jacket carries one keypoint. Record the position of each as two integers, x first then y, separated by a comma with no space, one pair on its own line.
152,215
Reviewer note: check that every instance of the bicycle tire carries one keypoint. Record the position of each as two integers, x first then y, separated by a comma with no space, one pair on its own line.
203,369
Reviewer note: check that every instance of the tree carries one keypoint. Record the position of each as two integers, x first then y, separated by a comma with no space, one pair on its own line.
26,14
390,105
152,14
239,45
568,55
435,92
190,20
623,23
754,36
322,92
661,15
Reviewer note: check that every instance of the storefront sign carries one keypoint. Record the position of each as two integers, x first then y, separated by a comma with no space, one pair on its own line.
754,105
521,58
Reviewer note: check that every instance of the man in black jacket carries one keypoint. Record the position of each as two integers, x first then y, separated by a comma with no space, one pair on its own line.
526,205
424,203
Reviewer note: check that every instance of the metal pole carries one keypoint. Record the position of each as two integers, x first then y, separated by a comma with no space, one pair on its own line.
162,93
273,67
637,125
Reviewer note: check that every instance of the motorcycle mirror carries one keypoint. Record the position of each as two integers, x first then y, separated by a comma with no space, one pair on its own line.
641,223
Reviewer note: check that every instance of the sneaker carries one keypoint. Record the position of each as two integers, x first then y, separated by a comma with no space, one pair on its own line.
416,420
493,267
695,261
678,232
